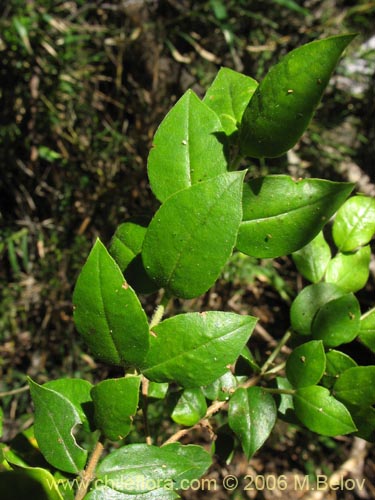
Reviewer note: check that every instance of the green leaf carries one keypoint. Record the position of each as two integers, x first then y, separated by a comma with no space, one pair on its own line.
157,390
321,412
308,302
312,260
367,330
192,235
364,419
55,420
228,96
190,408
356,386
336,363
281,215
107,312
354,224
29,482
306,364
221,388
338,321
187,148
1,422
252,415
285,100
103,492
350,271
194,349
140,468
285,407
115,403
125,248
77,391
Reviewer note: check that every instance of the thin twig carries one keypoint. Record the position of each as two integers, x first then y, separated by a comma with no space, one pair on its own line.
145,384
14,391
275,352
88,474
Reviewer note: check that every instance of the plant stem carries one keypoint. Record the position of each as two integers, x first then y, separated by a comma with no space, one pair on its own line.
275,352
88,474
159,311
145,384
14,391
279,391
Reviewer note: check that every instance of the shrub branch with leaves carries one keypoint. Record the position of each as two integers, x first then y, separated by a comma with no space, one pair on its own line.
208,210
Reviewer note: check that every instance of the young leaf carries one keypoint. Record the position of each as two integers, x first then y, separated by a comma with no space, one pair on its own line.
115,403
107,313
193,234
190,408
321,412
338,321
356,386
306,364
252,415
77,391
312,260
194,349
285,407
140,468
228,96
350,271
221,388
354,224
336,363
367,330
281,215
285,100
308,302
55,420
187,148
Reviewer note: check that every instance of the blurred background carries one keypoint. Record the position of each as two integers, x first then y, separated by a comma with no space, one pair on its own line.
83,87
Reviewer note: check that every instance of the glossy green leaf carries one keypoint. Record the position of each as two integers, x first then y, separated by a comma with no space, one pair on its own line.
285,406
321,412
55,420
193,234
125,248
356,386
157,390
312,260
141,468
221,388
308,302
103,492
285,100
367,330
354,224
187,148
336,363
77,391
228,96
107,312
281,215
338,321
306,364
190,408
115,403
364,419
252,415
34,483
194,349
350,271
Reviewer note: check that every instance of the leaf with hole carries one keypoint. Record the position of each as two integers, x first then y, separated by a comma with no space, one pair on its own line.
251,415
192,235
194,349
281,215
56,418
188,148
306,364
320,412
107,312
285,100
